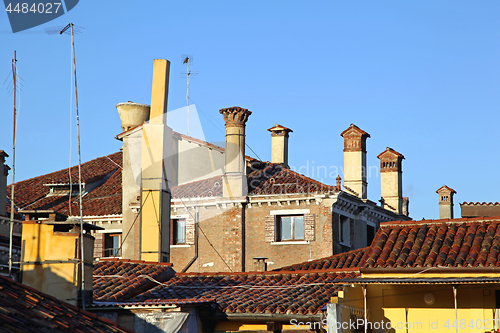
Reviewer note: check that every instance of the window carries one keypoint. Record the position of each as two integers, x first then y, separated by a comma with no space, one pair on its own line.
345,230
178,231
290,225
291,228
112,244
370,234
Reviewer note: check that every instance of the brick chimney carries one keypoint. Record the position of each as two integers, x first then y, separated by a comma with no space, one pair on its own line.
279,145
446,202
156,148
391,180
235,180
4,172
355,161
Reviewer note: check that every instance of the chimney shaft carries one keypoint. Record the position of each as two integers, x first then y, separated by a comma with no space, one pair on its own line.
279,145
445,202
260,264
156,148
4,172
235,182
355,160
391,180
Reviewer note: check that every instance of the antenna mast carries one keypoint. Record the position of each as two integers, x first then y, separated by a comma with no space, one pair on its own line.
186,61
82,263
12,207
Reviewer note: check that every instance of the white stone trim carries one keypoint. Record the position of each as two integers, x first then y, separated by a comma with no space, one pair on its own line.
109,231
180,245
290,212
291,243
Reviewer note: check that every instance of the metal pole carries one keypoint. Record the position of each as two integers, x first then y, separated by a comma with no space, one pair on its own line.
82,252
187,95
11,231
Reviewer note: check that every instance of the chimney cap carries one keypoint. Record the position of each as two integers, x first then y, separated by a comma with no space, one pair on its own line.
3,154
391,151
353,129
447,189
279,128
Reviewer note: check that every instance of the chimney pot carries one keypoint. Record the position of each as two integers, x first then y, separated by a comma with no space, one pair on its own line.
260,264
279,144
355,160
446,202
391,182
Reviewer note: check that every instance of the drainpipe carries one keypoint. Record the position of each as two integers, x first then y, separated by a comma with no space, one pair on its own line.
456,311
364,304
191,262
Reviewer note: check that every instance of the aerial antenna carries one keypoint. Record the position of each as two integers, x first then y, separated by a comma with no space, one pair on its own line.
82,264
11,226
187,60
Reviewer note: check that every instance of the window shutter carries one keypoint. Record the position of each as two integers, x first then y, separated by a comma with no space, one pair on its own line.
190,230
309,227
270,228
99,245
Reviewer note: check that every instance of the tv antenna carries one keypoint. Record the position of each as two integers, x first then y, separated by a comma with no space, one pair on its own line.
187,60
12,206
70,26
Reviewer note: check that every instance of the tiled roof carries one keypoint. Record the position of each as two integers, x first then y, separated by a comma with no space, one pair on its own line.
265,178
349,259
472,242
117,280
255,292
24,309
480,204
106,199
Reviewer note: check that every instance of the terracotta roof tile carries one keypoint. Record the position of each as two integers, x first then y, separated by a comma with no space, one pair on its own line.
349,259
106,199
453,243
116,279
254,292
24,309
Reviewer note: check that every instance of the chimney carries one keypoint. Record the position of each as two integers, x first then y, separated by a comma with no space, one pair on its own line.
260,264
132,114
235,180
4,172
355,160
446,202
406,206
155,150
50,256
391,182
279,145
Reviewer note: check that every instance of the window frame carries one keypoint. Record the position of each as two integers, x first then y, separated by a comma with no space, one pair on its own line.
174,230
279,231
116,250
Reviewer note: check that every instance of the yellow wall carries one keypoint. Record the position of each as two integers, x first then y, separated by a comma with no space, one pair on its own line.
404,307
58,272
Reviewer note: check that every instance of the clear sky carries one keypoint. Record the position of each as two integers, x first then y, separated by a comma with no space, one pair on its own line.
422,77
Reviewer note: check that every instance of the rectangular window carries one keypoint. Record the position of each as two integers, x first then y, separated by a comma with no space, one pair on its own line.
112,245
291,228
345,230
178,231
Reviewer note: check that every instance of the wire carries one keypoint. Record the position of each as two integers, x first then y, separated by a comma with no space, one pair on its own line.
206,237
70,131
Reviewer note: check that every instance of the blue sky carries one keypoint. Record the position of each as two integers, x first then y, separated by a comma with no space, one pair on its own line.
419,76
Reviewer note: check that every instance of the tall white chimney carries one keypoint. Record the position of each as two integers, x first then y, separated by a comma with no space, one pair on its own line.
279,145
355,161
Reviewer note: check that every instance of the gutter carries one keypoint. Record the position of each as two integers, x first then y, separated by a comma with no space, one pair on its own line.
267,316
419,270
